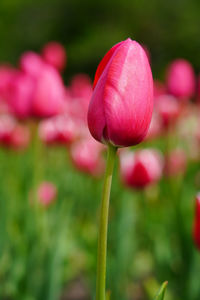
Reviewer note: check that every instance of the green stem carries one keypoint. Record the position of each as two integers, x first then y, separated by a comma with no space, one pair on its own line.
103,227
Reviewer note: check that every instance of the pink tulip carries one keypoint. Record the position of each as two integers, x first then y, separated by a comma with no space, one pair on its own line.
54,54
47,192
20,95
31,63
48,94
6,75
175,163
181,79
7,125
142,168
196,226
169,109
86,156
121,106
59,129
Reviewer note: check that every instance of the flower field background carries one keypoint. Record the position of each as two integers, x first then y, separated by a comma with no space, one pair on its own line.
51,169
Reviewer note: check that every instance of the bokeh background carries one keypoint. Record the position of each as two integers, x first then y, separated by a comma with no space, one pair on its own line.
49,251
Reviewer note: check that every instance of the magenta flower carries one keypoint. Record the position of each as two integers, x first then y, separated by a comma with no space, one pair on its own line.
196,226
54,54
31,63
121,107
48,94
181,79
142,168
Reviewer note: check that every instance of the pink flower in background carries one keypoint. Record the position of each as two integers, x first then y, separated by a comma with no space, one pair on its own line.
175,163
7,125
169,109
86,156
20,95
47,193
196,226
141,168
121,107
60,129
31,63
54,54
6,76
181,79
48,94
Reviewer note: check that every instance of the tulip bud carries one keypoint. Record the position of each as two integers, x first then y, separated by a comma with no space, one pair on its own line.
169,109
121,106
47,192
6,76
196,226
48,94
142,168
20,95
181,79
31,63
54,54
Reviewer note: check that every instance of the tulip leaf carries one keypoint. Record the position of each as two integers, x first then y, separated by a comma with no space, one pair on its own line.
161,293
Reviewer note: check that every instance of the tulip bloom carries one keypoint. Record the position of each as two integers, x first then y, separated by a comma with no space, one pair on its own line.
31,63
47,193
181,79
169,109
59,129
196,226
121,107
54,54
86,156
140,169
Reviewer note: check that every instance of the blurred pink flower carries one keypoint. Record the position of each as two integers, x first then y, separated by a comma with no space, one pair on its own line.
6,75
54,54
141,168
169,109
47,193
59,129
181,79
31,63
36,96
86,156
